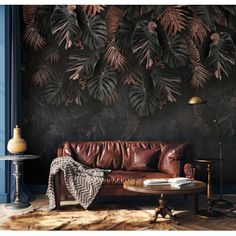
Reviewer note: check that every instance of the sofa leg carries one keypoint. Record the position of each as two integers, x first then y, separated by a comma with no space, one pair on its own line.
57,192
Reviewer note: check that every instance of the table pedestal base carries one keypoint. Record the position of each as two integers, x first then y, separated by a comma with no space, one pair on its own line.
206,214
163,210
17,205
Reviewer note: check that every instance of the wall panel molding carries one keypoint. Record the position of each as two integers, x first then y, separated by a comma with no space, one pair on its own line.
4,102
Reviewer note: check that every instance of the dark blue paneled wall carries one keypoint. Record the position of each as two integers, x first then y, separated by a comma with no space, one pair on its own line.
3,164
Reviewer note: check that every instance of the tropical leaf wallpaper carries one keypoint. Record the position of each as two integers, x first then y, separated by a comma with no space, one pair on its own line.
96,72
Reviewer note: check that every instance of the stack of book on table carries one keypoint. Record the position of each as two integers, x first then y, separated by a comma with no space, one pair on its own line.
149,182
179,182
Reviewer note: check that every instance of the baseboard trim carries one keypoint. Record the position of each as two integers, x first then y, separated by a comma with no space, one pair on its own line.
227,189
4,198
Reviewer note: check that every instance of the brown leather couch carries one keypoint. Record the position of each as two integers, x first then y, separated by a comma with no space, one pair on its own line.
127,160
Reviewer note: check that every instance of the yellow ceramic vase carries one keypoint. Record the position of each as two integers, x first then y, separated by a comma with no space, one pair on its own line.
17,144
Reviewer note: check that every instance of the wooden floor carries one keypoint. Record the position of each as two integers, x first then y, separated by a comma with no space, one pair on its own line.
183,209
189,221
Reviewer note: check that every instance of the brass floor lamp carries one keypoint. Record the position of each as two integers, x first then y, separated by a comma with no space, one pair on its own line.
220,202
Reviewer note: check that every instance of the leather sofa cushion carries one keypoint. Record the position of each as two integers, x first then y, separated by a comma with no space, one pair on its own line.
114,155
127,150
119,176
104,155
171,157
144,159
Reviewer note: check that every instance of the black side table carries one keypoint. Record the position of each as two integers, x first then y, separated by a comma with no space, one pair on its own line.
17,161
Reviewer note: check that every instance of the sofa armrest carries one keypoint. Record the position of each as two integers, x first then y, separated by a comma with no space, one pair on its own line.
173,158
64,150
189,171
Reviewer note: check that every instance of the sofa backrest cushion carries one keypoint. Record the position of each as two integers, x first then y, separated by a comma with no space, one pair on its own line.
128,148
105,155
172,157
144,159
115,155
120,155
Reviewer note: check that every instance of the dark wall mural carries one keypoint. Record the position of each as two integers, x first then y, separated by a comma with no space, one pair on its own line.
126,73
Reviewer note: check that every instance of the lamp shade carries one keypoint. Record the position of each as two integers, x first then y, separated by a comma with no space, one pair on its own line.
196,101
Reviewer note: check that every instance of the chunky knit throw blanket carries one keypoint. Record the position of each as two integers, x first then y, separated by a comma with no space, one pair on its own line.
81,181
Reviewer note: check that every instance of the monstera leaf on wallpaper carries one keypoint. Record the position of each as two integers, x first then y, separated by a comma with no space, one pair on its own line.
131,125
82,63
222,54
74,93
142,100
175,51
227,115
64,26
88,38
232,22
165,84
203,12
132,77
55,92
145,44
43,18
94,32
218,15
102,87
123,36
98,126
52,53
231,17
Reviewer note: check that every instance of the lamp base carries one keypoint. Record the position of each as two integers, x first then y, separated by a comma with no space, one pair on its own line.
209,214
222,203
231,213
17,205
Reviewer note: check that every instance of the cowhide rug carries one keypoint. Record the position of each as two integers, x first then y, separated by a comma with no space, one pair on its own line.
105,218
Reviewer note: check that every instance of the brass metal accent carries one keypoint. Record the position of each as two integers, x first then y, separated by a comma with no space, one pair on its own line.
220,202
164,211
136,185
209,213
196,101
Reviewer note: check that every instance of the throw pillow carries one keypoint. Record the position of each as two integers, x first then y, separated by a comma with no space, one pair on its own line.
170,158
144,159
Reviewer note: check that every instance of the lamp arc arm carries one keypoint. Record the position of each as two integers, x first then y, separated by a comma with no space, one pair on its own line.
215,121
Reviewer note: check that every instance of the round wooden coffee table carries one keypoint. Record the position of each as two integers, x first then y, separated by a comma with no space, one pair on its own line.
136,185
